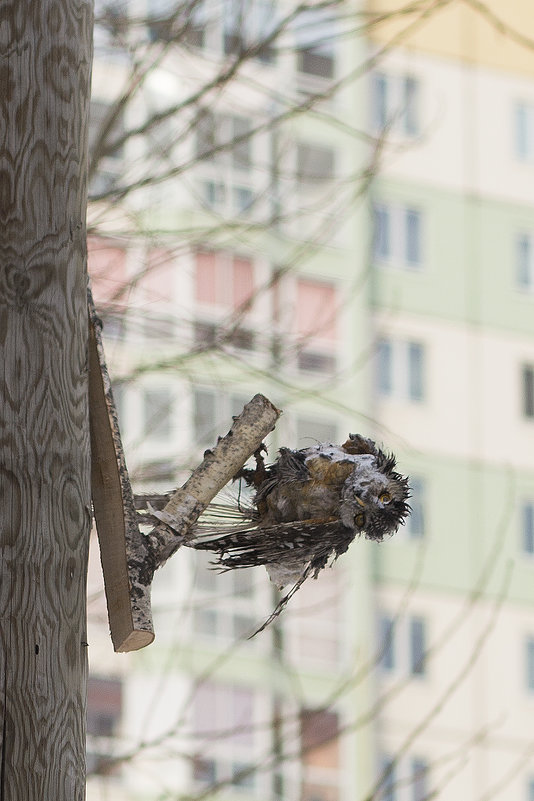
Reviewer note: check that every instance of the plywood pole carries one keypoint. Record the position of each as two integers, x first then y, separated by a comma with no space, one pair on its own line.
45,63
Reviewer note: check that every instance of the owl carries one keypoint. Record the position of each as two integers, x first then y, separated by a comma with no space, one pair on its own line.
308,507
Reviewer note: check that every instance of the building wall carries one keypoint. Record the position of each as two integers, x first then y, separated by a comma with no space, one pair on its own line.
468,303
452,408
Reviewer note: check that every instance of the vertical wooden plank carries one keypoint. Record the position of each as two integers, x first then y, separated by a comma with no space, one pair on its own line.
121,544
45,59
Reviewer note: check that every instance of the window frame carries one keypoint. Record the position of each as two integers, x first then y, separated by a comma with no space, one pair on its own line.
404,224
311,153
526,517
387,642
523,131
399,376
524,261
312,44
527,391
231,745
417,638
415,525
395,104
529,663
419,772
404,656
162,417
226,173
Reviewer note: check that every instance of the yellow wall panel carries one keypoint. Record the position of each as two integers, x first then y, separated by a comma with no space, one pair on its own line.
495,33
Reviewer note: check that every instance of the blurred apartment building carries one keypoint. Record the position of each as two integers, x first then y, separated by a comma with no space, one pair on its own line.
337,214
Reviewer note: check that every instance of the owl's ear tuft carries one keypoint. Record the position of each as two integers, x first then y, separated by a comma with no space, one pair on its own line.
357,444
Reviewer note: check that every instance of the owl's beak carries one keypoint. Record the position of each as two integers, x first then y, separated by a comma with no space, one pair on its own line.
359,501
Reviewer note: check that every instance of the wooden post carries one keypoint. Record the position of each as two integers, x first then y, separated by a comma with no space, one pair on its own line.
45,517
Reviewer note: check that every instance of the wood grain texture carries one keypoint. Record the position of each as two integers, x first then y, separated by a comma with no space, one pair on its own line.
45,57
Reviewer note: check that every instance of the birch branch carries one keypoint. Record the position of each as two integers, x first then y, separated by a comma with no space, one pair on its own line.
219,466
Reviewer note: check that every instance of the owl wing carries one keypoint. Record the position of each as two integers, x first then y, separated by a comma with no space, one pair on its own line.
304,541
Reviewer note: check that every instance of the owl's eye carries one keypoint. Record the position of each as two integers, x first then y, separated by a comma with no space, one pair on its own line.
359,520
385,497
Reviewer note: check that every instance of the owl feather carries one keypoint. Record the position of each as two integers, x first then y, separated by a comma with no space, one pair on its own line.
308,507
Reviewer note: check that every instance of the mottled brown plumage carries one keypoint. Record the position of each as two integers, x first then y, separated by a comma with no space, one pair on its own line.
309,506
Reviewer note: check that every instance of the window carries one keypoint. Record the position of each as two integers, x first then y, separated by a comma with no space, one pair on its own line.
413,237
420,790
415,523
384,366
398,235
316,325
315,164
527,527
395,104
530,790
315,33
401,644
524,261
223,279
183,24
195,27
224,287
224,724
243,199
380,101
315,626
205,771
159,327
224,138
157,413
108,163
524,131
111,23
160,18
529,660
382,233
107,265
387,642
204,421
400,369
319,733
319,730
224,147
528,391
410,117
417,646
388,775
247,25
212,410
155,284
416,366
104,708
404,779
313,362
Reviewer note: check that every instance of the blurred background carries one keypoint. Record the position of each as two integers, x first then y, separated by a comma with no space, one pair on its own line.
329,203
